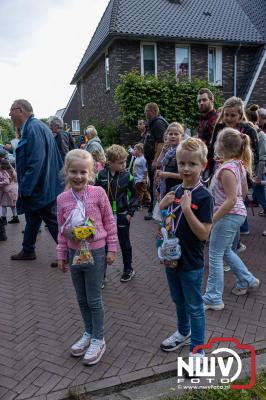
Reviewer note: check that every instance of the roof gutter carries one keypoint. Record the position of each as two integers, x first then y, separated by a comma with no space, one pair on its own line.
235,68
257,74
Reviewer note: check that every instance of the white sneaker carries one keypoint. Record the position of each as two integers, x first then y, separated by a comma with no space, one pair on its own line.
226,267
242,247
175,341
255,285
214,307
197,364
94,352
79,348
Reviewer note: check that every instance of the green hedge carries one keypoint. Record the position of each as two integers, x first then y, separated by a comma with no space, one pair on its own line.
177,100
7,130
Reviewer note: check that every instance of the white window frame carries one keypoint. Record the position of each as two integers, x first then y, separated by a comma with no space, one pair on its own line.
218,81
184,46
142,58
75,123
107,71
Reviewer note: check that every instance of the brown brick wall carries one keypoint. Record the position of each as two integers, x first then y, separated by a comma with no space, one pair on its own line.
124,55
165,58
199,61
259,93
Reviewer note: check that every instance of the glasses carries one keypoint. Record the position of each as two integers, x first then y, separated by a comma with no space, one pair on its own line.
14,108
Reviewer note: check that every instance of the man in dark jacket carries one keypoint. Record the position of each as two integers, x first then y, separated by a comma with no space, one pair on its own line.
63,139
153,144
38,163
208,115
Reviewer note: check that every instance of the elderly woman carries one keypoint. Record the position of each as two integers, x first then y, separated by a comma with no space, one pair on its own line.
94,144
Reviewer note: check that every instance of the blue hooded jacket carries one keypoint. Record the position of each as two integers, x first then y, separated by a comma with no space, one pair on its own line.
38,163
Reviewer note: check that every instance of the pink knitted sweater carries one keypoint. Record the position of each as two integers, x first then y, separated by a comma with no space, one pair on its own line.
98,209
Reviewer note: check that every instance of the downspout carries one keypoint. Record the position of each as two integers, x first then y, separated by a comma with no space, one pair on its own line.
235,68
253,83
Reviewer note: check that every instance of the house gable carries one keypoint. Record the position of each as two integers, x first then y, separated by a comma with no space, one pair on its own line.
193,20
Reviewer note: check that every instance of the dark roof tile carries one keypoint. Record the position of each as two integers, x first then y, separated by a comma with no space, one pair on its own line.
212,20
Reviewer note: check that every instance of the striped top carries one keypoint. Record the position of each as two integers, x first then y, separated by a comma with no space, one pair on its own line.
217,189
98,209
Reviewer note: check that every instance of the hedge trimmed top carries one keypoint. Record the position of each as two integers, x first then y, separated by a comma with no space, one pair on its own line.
177,100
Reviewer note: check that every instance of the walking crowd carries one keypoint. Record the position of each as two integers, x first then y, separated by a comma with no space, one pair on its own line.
198,188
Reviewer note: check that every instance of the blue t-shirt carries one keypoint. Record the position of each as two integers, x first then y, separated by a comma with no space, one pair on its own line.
139,168
192,249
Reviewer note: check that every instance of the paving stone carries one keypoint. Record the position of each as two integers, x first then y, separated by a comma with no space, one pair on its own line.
40,319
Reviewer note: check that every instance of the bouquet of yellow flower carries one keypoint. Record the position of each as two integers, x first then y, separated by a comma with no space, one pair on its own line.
83,254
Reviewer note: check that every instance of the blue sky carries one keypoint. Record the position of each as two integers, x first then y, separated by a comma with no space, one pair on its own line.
41,45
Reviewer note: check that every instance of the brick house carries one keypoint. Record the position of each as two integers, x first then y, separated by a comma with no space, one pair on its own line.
70,114
223,41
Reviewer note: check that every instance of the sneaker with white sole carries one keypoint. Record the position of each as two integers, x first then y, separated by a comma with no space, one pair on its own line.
255,285
197,364
243,291
94,352
226,267
175,341
127,276
80,347
242,247
214,307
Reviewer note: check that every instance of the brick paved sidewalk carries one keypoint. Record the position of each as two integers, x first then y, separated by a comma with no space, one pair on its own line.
39,318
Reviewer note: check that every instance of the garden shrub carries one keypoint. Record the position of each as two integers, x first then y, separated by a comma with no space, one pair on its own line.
177,100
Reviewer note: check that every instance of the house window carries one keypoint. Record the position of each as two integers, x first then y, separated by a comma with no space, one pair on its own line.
75,125
215,65
182,59
107,73
148,53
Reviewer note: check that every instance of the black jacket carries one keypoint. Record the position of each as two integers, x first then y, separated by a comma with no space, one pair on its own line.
154,135
64,142
121,188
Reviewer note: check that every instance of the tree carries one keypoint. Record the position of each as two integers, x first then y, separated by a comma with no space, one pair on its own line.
7,130
177,100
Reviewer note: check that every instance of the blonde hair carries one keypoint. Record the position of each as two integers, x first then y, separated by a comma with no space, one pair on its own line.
139,147
196,146
233,102
98,155
115,153
153,106
176,125
78,155
91,131
237,145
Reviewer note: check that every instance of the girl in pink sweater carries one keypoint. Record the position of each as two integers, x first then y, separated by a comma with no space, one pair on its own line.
87,278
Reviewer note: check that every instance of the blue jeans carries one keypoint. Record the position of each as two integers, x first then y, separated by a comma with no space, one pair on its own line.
185,290
259,193
33,223
87,280
220,246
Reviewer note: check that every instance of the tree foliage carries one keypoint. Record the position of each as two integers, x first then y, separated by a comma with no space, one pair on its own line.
7,130
177,100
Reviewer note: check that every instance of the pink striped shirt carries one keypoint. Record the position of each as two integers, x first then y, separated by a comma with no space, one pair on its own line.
217,189
98,209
